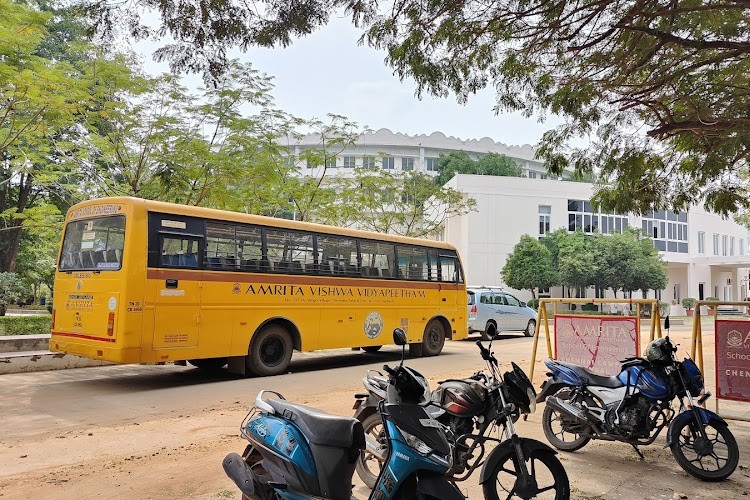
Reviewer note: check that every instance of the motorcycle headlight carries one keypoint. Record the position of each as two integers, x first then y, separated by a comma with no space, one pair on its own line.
416,443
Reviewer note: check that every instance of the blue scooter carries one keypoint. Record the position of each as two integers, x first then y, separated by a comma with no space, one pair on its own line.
297,452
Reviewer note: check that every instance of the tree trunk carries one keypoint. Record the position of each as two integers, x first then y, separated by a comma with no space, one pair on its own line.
14,232
3,308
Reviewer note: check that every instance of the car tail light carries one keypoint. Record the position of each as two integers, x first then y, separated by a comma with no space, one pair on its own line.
111,324
473,312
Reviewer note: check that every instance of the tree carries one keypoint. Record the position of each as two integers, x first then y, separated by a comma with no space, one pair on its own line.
11,289
675,70
529,266
459,162
408,203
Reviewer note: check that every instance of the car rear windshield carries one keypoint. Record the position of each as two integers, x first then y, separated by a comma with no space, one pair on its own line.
93,244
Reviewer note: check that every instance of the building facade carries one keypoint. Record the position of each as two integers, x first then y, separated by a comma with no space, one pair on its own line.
705,255
398,152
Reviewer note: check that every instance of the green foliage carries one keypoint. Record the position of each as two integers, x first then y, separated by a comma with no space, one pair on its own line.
529,266
32,324
712,299
688,302
533,303
407,203
626,262
590,307
459,162
11,289
660,87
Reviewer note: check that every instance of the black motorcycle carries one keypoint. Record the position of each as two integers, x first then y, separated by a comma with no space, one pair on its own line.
634,406
470,410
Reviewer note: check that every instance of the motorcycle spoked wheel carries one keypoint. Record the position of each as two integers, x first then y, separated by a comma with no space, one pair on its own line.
368,466
552,480
709,460
554,428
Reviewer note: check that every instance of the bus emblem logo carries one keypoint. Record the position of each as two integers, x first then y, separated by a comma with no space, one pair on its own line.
373,324
236,288
79,285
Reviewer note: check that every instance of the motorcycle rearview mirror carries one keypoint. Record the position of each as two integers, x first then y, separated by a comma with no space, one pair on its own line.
399,337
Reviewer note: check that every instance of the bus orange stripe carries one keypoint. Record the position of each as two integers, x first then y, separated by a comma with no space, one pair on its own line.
81,336
285,279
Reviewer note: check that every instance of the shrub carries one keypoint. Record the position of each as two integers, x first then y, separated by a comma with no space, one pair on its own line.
589,307
533,303
712,299
688,302
24,325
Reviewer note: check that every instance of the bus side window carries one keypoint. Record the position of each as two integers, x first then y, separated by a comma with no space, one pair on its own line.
379,256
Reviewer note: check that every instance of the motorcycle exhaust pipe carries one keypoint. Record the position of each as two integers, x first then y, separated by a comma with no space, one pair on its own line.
374,448
567,409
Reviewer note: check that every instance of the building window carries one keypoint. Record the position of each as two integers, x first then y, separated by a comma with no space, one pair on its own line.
583,217
731,246
724,245
542,176
716,244
407,163
349,161
431,164
330,162
388,163
368,162
532,174
290,160
668,229
545,212
701,242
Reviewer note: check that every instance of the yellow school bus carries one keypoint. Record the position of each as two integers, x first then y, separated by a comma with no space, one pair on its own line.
142,281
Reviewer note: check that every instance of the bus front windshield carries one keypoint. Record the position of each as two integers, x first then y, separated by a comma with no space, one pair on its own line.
93,244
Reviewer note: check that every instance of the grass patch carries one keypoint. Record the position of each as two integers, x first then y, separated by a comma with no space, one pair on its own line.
24,325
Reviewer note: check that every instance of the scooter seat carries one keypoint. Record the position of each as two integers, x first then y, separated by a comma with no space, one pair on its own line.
590,378
320,427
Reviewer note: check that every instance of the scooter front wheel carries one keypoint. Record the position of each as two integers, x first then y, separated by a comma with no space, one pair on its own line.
710,458
549,474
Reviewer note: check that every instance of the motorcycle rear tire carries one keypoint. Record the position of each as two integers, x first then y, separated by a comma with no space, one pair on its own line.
552,437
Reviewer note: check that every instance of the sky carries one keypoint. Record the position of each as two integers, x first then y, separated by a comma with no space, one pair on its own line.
328,72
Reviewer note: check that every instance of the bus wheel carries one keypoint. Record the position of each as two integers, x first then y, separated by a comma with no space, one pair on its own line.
270,351
209,364
371,348
434,338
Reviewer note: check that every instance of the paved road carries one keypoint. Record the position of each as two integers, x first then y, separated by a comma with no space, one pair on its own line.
161,431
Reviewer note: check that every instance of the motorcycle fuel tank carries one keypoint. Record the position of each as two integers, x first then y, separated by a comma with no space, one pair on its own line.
462,398
651,382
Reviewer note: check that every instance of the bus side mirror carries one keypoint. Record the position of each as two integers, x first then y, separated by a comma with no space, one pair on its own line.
399,336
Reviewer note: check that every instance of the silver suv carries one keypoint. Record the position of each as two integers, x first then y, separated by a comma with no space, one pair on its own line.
492,310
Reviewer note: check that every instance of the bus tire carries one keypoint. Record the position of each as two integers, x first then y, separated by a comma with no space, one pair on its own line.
209,364
270,351
434,338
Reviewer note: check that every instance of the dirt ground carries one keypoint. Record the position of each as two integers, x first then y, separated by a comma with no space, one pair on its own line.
175,451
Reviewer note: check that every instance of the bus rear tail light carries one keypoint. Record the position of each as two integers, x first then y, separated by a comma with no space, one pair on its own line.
111,324
473,312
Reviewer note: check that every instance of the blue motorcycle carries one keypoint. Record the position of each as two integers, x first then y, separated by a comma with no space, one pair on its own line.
634,406
297,452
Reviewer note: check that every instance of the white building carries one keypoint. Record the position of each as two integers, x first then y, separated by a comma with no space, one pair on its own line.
705,254
399,152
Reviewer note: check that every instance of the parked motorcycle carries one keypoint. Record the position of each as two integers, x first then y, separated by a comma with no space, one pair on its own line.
470,409
298,452
634,406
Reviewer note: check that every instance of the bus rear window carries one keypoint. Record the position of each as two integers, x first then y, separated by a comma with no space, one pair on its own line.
93,244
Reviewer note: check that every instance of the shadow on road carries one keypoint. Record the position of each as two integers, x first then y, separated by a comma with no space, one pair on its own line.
139,378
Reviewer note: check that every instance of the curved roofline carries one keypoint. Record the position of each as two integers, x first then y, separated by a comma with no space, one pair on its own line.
435,140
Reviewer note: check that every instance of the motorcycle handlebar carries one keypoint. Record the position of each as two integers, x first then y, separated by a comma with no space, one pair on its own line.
389,370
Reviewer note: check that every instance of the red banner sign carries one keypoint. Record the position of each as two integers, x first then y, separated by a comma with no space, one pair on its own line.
733,359
598,343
